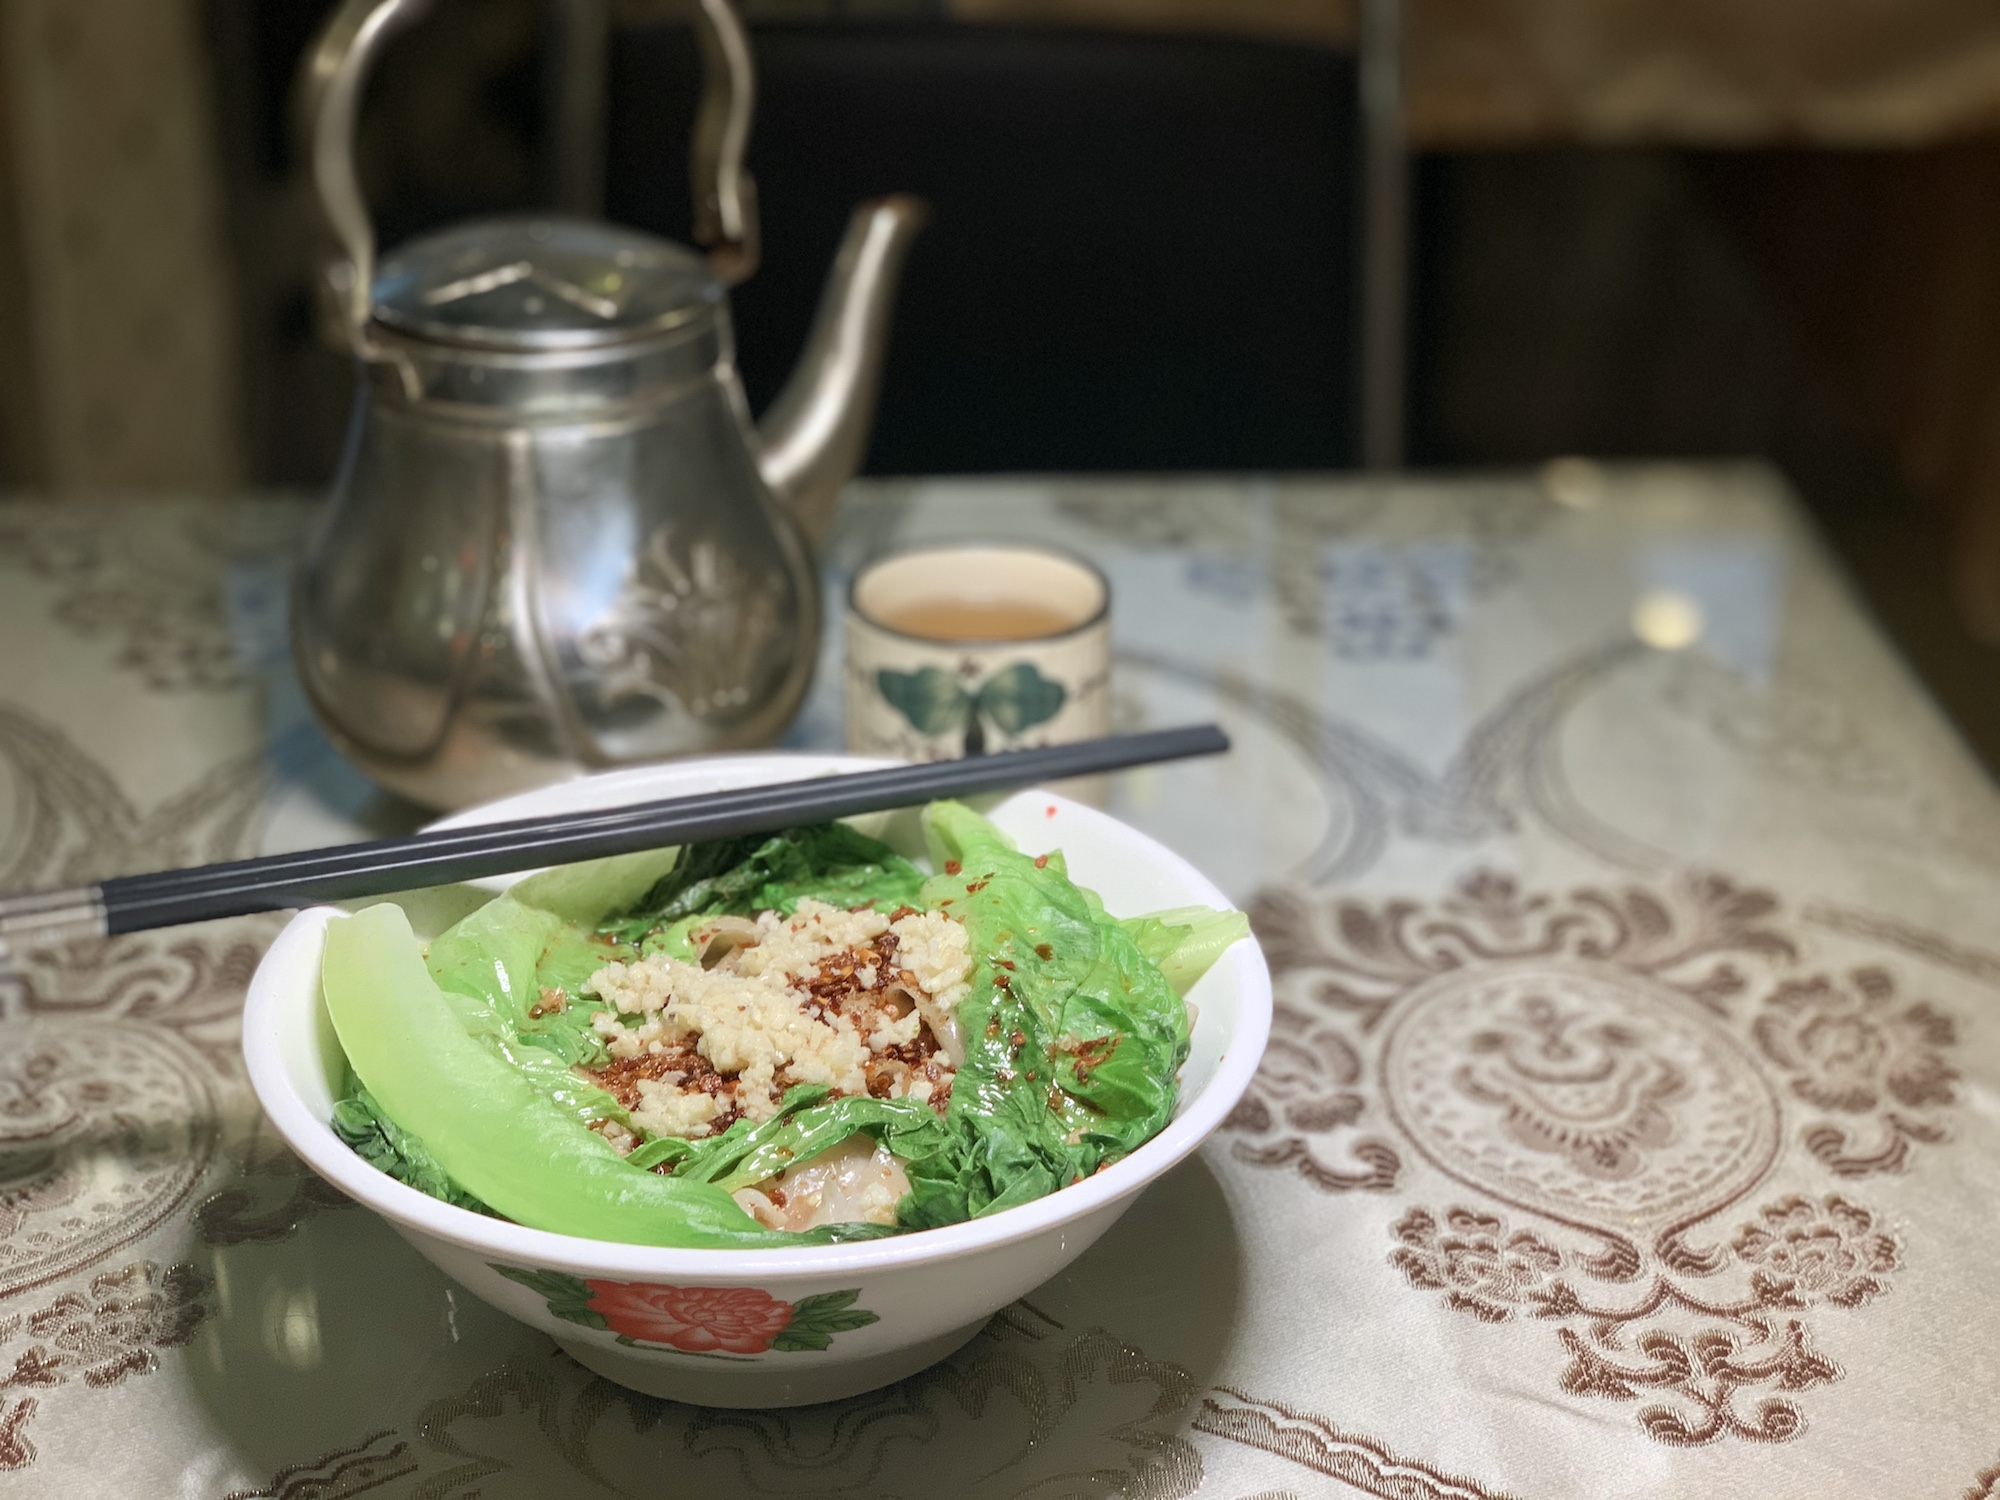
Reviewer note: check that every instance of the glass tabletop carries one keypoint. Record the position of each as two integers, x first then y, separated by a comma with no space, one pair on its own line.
1629,1125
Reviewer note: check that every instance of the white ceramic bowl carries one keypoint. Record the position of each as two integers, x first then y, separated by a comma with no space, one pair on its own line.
735,1327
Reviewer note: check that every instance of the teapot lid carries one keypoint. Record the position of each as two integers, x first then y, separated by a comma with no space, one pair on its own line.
542,284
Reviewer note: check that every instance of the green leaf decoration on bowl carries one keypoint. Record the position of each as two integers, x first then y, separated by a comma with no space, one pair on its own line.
815,1320
567,1296
1019,697
930,698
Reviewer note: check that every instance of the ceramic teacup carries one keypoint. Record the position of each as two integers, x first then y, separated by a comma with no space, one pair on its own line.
971,649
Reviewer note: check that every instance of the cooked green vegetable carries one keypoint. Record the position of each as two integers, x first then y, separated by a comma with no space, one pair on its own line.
1185,943
829,861
358,1120
491,1129
466,1066
807,1124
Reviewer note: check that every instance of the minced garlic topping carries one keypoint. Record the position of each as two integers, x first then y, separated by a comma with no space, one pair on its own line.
840,998
665,1110
749,1026
793,949
934,948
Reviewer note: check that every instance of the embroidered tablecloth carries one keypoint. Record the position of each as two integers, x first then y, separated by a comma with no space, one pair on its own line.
1631,1125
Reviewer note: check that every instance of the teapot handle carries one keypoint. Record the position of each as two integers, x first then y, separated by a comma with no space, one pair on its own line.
336,72
725,195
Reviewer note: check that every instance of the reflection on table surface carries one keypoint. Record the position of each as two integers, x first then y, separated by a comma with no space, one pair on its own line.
1627,1128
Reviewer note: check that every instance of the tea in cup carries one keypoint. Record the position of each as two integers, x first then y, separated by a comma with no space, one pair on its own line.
975,648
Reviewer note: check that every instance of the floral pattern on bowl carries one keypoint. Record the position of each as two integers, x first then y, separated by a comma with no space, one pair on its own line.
669,1321
714,1320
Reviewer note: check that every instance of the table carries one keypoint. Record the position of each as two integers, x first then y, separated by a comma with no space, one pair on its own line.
1631,1125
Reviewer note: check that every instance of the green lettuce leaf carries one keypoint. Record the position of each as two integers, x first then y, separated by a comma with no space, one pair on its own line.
1073,1037
807,1123
526,967
488,1126
1183,944
585,893
383,1144
1074,1024
829,861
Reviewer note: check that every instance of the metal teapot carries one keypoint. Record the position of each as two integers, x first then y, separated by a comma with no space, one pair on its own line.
557,541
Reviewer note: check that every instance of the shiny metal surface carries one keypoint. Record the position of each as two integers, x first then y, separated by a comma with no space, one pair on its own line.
48,919
330,87
725,197
557,543
543,283
336,73
815,434
496,604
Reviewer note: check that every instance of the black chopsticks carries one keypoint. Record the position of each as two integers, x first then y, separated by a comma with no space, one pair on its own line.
132,903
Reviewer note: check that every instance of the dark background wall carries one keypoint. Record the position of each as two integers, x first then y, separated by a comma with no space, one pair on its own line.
1139,255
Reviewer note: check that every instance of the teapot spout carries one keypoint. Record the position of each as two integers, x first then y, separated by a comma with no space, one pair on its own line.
815,434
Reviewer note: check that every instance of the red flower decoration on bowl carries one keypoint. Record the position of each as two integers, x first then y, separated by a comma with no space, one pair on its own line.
697,1319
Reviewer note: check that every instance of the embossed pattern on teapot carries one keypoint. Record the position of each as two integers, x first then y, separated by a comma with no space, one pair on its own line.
557,541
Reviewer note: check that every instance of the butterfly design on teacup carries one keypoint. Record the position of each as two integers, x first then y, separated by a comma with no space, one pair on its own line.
933,701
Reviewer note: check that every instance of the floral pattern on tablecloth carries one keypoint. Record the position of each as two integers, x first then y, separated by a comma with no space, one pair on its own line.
175,593
115,1328
1683,1265
1618,1074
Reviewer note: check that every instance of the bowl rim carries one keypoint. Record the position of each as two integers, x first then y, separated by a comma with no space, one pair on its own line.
316,1145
